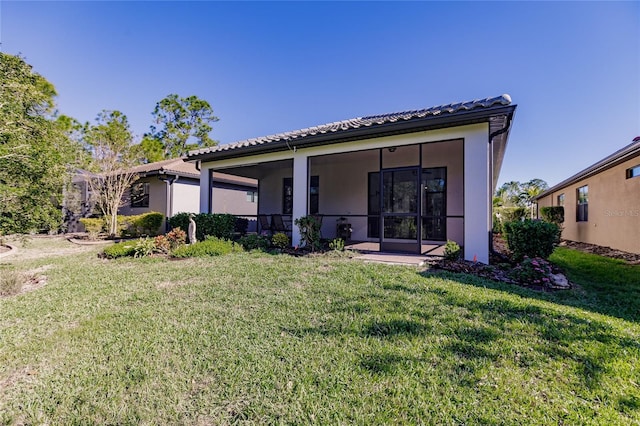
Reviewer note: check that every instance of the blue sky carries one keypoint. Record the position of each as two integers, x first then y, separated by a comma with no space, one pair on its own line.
573,68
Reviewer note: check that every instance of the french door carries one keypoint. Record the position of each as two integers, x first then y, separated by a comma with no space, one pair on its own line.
400,210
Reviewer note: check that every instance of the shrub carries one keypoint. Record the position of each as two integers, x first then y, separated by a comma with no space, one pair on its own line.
162,245
452,251
309,232
508,214
532,271
123,249
176,238
255,242
337,244
209,247
219,225
280,240
93,226
554,214
241,225
531,238
140,225
144,247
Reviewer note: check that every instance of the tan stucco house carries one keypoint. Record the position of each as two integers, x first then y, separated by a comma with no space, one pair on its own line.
602,202
404,182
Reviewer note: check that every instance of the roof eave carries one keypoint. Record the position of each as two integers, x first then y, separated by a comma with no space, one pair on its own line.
592,170
473,116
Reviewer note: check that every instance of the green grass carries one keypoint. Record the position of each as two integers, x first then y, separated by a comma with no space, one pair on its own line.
257,338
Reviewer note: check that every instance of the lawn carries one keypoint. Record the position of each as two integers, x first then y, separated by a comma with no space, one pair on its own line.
256,338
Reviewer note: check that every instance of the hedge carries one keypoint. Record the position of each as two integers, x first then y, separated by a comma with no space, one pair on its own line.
218,225
146,224
531,238
553,214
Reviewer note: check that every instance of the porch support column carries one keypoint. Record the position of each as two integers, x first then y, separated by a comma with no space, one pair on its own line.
477,197
205,190
300,188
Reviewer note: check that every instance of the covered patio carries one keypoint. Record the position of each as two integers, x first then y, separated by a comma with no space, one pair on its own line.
401,183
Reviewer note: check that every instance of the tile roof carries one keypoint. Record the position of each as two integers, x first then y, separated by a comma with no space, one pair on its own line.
360,122
171,166
623,154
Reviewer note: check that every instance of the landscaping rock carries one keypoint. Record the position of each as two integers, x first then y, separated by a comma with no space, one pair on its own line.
559,281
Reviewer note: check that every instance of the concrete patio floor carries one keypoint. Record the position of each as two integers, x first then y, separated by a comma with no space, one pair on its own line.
370,252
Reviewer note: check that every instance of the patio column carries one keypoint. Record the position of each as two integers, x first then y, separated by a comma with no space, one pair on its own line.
205,190
300,188
477,197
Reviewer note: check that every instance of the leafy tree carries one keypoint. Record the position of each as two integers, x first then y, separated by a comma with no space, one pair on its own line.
109,177
182,124
516,194
36,154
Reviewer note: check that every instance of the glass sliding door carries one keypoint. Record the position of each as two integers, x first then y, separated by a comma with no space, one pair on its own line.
400,205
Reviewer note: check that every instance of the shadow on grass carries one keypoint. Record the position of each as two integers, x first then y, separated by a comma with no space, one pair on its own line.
471,333
616,301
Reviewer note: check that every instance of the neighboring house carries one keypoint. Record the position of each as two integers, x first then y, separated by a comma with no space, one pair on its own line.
173,186
402,181
602,202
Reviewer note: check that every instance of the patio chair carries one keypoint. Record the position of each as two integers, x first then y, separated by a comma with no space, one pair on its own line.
278,225
263,222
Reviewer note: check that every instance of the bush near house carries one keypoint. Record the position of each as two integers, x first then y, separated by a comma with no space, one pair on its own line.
145,224
531,238
209,247
218,225
124,249
502,215
553,214
255,242
93,226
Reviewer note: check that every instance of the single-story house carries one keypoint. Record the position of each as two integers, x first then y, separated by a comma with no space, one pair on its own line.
402,182
602,202
173,186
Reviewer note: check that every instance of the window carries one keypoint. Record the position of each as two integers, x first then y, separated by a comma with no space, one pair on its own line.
287,195
314,195
140,194
561,200
373,207
633,172
252,196
582,209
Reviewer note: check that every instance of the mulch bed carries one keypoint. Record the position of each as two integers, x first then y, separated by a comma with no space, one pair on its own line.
602,251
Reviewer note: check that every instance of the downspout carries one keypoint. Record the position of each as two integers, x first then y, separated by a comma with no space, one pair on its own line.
169,180
491,137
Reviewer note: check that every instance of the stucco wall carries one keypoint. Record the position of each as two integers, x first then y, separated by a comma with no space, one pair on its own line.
233,200
614,209
185,197
157,198
270,190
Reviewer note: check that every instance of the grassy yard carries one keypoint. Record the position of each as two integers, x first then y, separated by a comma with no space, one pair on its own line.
255,338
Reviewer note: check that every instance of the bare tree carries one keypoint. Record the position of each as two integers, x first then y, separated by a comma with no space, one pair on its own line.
110,175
